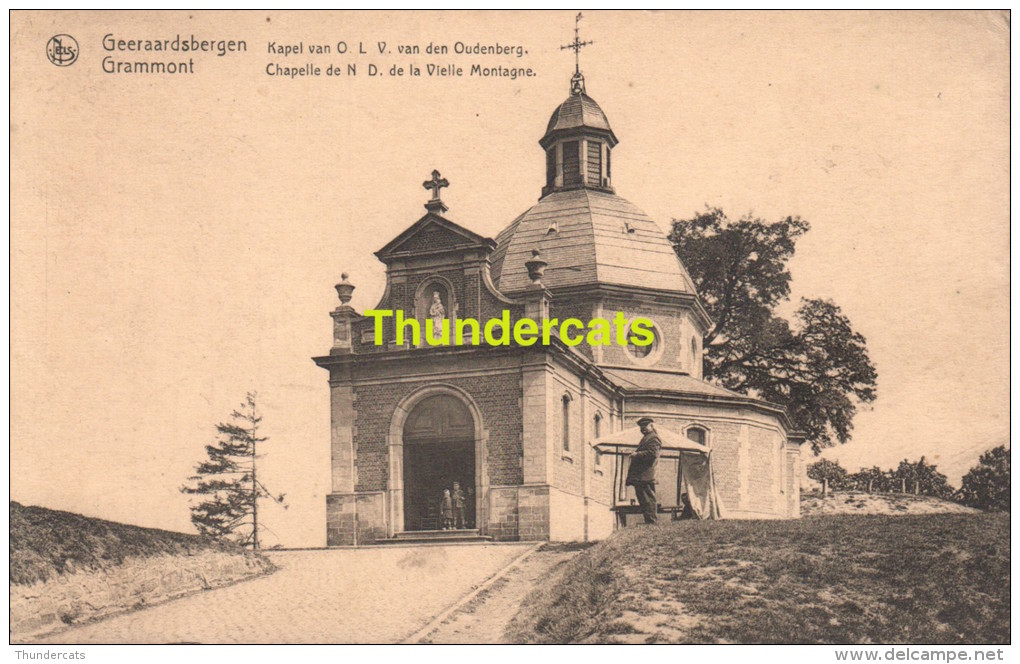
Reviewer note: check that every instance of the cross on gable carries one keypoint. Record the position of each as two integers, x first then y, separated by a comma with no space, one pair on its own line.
435,204
435,184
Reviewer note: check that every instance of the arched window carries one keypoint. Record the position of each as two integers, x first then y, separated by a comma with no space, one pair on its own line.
566,422
597,434
698,435
694,356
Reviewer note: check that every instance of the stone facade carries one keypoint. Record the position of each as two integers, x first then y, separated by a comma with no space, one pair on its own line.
534,412
530,415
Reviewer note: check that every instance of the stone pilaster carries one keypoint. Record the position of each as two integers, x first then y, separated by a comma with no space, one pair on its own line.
586,451
537,469
744,465
342,416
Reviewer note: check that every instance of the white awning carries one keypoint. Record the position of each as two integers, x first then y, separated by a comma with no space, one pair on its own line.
626,441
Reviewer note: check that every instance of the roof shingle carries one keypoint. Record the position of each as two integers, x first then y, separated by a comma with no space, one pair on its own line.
588,237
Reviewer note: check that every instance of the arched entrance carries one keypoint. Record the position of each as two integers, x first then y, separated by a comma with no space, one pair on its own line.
438,450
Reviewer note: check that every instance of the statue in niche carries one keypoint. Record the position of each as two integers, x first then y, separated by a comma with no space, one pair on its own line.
437,312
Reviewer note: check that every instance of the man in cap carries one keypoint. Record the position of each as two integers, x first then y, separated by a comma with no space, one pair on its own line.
642,468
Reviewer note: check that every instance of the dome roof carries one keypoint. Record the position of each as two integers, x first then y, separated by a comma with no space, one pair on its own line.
588,237
578,111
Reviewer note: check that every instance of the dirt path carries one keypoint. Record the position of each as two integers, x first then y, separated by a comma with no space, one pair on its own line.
484,619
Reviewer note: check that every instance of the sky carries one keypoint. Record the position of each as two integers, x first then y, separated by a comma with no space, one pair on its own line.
175,239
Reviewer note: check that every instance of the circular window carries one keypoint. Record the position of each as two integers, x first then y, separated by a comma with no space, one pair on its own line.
648,354
641,352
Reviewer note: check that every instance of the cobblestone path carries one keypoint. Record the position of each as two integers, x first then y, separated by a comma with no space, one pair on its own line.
376,595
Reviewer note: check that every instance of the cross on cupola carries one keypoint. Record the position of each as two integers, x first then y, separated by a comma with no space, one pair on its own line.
577,80
435,204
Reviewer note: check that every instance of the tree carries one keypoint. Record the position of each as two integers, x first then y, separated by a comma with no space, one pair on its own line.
229,482
817,367
986,485
870,479
923,478
828,471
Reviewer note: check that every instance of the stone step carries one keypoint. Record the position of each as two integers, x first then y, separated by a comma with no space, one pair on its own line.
436,534
467,539
436,537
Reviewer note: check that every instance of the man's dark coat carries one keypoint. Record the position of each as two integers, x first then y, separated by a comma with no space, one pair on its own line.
645,459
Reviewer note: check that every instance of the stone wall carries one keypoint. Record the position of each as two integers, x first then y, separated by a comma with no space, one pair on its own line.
676,327
498,398
563,308
579,487
533,513
86,595
519,513
792,483
567,516
371,512
370,504
356,518
341,519
763,478
724,437
503,514
601,520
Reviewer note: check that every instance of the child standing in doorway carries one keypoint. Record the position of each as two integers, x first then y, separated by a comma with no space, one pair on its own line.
447,510
458,505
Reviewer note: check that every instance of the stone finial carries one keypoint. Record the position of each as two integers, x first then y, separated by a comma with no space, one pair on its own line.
537,297
342,317
344,289
536,267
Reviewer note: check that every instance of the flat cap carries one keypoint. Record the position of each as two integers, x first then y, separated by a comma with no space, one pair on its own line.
645,420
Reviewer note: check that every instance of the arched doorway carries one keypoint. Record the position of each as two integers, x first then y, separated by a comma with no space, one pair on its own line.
438,450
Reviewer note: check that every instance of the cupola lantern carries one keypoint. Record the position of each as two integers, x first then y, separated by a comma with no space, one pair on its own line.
578,139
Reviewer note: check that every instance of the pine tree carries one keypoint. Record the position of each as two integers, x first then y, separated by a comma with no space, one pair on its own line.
229,480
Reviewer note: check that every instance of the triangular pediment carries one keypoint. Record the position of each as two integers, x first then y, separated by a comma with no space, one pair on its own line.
433,234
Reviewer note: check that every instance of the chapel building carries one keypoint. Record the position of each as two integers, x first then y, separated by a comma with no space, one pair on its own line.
515,425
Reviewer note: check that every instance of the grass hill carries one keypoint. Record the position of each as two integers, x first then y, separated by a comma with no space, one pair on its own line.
67,569
861,502
935,578
45,543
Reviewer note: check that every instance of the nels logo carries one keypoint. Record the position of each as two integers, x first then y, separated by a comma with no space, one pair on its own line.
62,50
